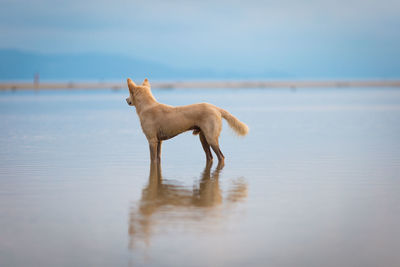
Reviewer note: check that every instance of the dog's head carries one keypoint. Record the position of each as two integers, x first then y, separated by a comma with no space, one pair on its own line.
135,89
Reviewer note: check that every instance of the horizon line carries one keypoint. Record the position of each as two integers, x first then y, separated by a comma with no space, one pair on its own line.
4,86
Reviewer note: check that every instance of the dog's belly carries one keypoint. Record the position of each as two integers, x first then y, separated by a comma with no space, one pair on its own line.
163,135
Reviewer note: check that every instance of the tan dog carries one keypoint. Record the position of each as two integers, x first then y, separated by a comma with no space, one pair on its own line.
161,122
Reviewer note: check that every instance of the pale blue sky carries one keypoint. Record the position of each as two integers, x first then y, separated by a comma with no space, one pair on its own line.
303,38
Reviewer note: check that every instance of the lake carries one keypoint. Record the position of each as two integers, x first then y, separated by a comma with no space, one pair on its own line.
314,183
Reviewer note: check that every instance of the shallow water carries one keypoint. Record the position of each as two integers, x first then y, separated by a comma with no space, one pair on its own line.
315,183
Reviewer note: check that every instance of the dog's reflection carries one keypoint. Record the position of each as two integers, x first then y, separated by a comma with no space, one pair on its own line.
166,200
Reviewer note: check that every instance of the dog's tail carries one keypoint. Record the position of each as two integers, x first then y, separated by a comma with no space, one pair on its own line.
239,127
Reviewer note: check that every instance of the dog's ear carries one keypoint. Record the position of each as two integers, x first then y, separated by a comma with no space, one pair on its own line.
131,84
146,83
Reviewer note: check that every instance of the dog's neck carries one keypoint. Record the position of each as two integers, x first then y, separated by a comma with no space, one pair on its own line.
144,100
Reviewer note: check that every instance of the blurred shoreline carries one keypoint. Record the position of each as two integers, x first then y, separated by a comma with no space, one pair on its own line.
4,86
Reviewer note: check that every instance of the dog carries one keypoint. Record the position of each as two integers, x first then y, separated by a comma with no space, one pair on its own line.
161,122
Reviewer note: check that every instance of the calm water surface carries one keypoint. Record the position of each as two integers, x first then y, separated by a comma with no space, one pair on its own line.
315,183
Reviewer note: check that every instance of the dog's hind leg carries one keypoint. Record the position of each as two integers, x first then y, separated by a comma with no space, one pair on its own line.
206,147
215,146
218,152
211,133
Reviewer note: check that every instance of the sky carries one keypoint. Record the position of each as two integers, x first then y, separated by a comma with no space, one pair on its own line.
306,39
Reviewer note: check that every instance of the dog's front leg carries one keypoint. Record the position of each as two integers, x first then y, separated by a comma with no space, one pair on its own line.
159,150
153,150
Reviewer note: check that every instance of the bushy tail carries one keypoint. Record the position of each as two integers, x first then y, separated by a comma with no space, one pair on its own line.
239,127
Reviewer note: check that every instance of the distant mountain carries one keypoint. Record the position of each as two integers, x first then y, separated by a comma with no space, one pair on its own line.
23,65
16,65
